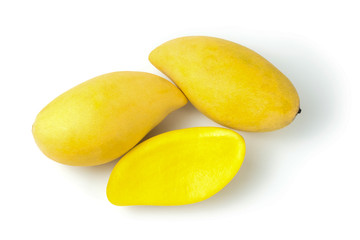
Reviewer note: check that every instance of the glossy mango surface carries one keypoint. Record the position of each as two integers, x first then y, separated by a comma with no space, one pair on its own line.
176,168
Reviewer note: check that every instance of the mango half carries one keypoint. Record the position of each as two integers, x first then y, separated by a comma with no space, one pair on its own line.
176,168
229,83
104,117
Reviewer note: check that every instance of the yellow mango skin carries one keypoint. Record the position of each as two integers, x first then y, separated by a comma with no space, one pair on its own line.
176,168
229,83
104,117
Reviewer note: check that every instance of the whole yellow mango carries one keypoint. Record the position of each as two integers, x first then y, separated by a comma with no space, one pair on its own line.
104,117
178,167
229,83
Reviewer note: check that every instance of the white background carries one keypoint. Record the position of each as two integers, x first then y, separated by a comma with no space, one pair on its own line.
301,182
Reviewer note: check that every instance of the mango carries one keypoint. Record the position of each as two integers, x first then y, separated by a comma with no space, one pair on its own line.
104,117
177,167
229,83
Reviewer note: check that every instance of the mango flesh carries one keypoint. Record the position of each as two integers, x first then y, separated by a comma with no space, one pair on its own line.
104,117
229,83
176,168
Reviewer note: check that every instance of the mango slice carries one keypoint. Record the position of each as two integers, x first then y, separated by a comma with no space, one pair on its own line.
229,83
178,167
102,118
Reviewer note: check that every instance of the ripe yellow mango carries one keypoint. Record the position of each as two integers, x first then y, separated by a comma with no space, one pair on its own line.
229,83
102,118
178,167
